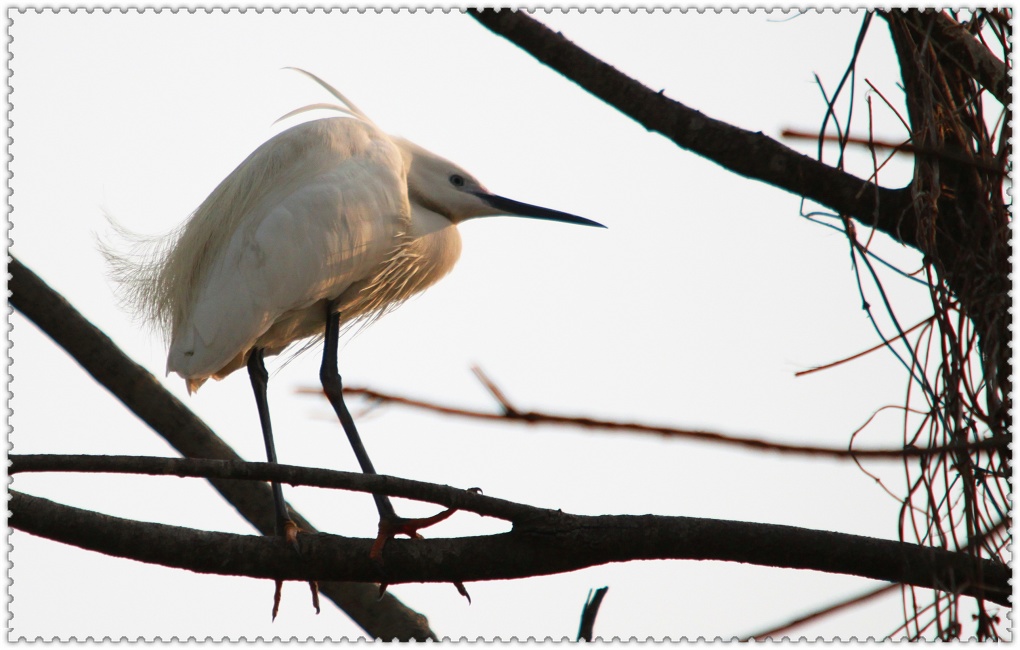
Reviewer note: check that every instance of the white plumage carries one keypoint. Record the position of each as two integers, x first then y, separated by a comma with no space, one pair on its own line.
328,222
332,214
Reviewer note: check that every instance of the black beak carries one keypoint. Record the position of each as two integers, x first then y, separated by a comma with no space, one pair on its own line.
518,209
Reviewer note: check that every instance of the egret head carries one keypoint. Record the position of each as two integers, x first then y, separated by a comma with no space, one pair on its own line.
447,189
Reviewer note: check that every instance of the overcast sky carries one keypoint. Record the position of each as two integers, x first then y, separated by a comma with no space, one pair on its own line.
695,309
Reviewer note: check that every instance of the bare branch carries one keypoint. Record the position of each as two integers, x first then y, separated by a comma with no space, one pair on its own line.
551,542
779,631
988,165
860,598
385,617
881,345
237,470
538,417
591,610
749,154
508,409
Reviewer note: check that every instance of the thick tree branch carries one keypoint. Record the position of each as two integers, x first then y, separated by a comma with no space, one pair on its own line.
385,618
749,154
952,40
552,542
953,214
781,630
962,221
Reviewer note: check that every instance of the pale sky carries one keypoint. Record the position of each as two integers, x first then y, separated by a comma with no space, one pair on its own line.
694,309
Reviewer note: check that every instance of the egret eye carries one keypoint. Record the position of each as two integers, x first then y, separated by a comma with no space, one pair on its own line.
457,180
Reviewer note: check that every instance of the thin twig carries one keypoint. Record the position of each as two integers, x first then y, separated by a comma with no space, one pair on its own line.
820,613
508,408
905,147
538,417
861,354
591,610
444,495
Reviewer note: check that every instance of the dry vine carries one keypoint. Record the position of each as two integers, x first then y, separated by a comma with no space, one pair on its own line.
955,71
957,362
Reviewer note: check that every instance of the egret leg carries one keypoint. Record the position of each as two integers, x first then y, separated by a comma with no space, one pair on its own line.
285,526
259,383
390,524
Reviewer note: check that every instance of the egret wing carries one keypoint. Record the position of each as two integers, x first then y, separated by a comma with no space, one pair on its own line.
327,204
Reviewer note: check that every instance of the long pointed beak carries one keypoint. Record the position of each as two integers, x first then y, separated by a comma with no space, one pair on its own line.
518,209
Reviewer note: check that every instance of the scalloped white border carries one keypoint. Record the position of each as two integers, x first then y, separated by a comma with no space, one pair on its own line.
7,376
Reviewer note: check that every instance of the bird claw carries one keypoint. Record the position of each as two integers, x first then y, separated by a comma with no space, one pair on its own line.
462,591
290,535
459,585
277,594
314,585
390,528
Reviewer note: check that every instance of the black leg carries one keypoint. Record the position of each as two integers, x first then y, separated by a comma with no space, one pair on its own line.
285,527
259,383
331,384
390,524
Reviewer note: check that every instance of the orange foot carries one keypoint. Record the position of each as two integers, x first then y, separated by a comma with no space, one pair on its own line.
290,534
390,528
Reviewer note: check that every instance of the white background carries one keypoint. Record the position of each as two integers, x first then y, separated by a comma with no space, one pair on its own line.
695,308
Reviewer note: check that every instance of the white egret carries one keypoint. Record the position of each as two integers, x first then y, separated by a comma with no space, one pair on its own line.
329,222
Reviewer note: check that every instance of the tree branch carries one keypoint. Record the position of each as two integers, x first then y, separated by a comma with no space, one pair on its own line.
552,542
385,617
539,417
236,470
753,155
781,630
970,546
953,40
591,611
